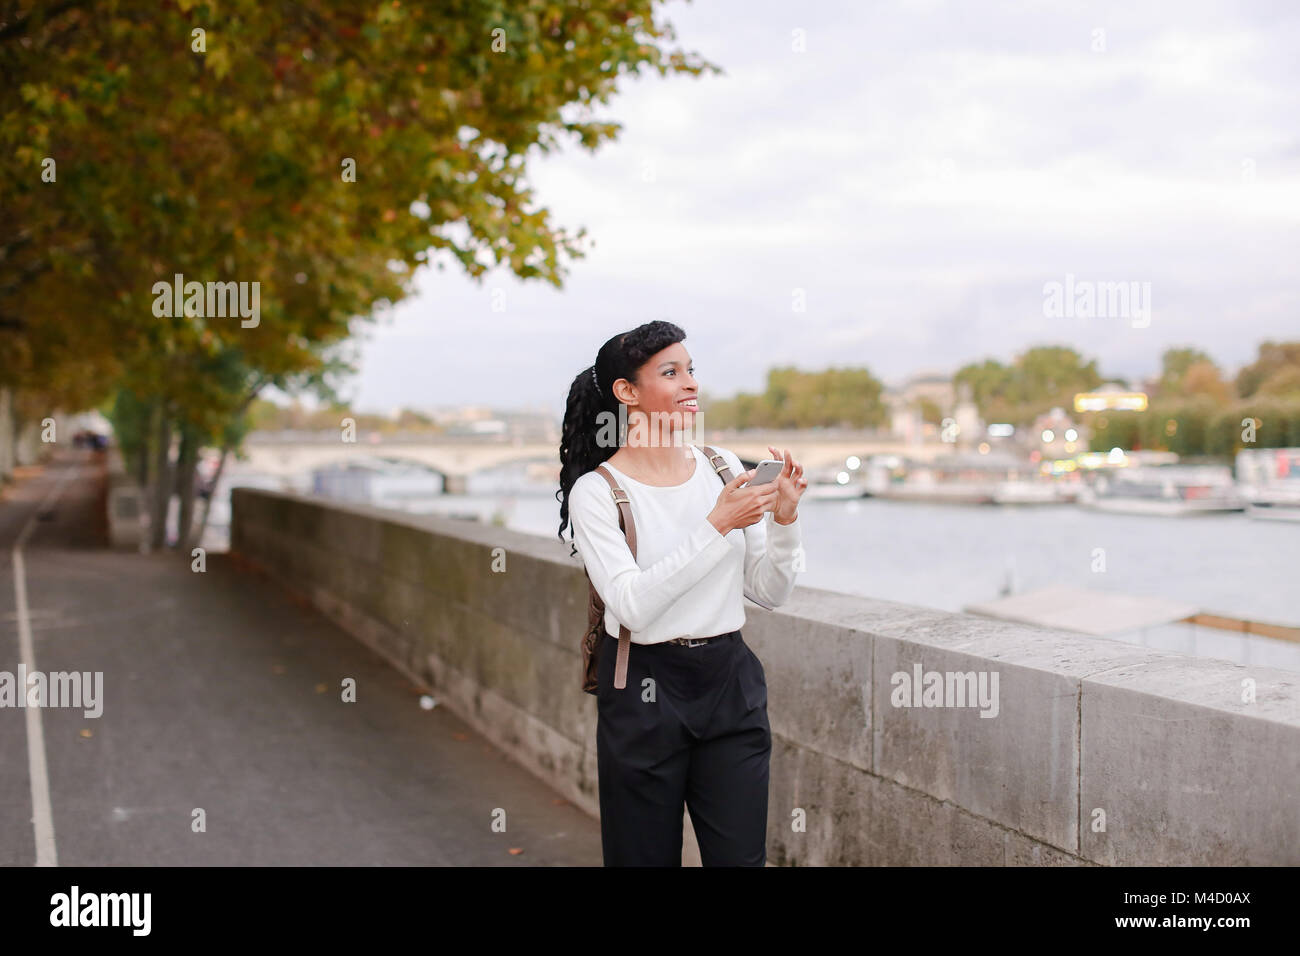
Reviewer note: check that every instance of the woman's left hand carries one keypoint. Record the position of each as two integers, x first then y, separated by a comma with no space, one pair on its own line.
790,486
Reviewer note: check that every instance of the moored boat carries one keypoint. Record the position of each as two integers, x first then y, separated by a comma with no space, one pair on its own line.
1034,491
1270,480
962,478
834,490
1275,505
1164,490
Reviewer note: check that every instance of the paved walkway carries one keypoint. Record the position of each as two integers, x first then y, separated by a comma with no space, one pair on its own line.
220,693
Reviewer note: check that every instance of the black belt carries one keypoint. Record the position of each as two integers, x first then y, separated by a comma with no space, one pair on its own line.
684,641
694,641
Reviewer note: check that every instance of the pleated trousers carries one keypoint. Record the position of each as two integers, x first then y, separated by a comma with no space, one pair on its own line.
690,728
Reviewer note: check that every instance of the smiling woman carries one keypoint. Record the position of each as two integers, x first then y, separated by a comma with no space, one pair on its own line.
660,408
670,550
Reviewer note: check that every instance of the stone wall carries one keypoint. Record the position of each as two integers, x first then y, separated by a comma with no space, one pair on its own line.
1092,751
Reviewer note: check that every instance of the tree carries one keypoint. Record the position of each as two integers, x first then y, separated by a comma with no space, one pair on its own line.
844,397
1039,379
1174,364
1055,374
991,388
847,397
1285,382
410,419
930,412
1204,381
1275,359
311,155
1190,372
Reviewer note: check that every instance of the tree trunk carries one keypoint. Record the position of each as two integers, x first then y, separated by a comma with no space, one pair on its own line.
6,435
142,465
186,460
162,476
207,504
226,448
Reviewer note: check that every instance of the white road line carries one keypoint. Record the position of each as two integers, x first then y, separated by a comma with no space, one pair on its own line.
42,815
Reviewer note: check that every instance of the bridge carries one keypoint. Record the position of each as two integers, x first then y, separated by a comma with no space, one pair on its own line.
456,457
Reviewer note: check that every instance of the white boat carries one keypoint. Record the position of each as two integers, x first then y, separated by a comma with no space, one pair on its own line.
1271,482
835,484
924,488
959,478
833,490
1041,491
1275,504
1164,490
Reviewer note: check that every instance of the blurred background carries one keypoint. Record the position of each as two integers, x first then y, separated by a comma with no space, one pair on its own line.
1015,283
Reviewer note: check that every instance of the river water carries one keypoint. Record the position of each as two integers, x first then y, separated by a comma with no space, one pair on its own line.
948,556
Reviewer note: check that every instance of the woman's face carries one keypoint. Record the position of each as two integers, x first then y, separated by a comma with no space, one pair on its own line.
665,384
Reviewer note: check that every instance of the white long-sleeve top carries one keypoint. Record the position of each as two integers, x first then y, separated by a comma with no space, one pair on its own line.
687,580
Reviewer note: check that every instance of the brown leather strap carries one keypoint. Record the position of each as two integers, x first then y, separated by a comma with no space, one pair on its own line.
629,530
719,463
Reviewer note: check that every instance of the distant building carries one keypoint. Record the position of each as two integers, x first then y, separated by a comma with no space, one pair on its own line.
970,427
904,404
934,386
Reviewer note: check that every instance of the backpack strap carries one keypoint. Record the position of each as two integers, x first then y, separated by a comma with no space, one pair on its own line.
719,463
629,530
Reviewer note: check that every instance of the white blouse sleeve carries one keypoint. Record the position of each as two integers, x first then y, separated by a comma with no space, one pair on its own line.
635,596
770,551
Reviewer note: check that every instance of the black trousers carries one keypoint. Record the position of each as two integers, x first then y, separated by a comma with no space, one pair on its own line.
689,728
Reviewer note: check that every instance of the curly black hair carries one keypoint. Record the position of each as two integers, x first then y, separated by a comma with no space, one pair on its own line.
622,356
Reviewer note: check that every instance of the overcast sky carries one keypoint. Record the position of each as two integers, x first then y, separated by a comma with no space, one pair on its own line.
920,171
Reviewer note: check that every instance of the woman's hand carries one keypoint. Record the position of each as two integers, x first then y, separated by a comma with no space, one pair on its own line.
739,507
790,484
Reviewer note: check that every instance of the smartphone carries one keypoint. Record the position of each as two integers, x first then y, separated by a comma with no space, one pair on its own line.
766,471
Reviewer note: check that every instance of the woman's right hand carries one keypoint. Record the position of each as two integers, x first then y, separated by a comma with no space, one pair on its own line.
739,507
